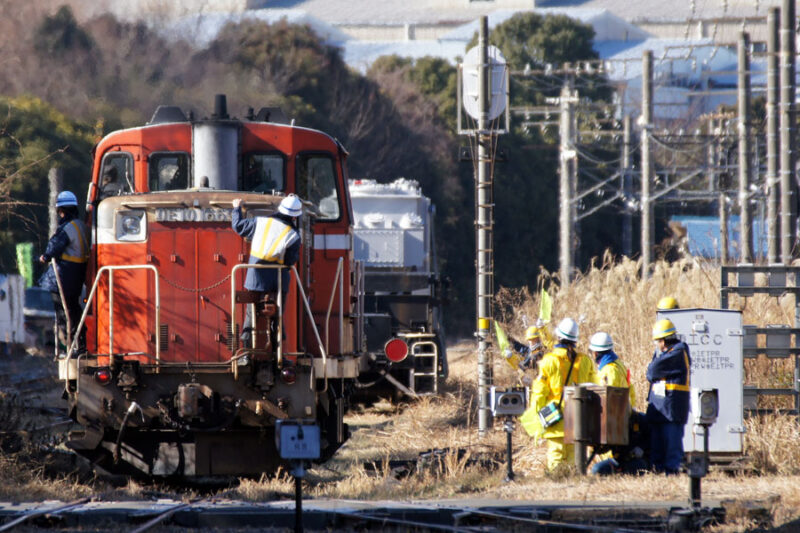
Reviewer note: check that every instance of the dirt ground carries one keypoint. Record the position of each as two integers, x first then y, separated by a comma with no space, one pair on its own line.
380,461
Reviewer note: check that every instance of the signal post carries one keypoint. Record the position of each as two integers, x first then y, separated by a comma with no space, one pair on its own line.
483,89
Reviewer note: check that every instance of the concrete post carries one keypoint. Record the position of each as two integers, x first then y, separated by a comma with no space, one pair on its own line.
55,182
745,167
773,96
627,186
648,232
787,129
566,186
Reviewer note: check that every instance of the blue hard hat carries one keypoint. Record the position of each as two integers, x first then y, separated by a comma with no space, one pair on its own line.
66,198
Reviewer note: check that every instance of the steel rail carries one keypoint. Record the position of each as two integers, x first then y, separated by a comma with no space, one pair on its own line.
464,511
401,522
160,517
554,523
40,512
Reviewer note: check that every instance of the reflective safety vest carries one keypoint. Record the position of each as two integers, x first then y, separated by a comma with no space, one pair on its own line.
271,239
614,374
77,251
669,373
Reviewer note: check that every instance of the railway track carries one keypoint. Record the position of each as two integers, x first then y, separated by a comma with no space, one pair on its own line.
484,516
31,413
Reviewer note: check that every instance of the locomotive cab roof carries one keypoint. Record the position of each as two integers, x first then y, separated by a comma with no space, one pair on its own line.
166,114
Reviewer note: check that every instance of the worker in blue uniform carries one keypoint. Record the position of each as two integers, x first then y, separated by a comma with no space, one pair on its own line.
69,246
274,240
668,399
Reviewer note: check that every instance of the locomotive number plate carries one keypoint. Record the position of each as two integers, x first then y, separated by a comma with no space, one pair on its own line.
192,214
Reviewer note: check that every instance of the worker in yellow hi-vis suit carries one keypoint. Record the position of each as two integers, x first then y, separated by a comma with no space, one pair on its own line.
610,369
612,372
522,357
560,367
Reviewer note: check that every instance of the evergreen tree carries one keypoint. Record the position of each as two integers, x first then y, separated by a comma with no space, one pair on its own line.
34,137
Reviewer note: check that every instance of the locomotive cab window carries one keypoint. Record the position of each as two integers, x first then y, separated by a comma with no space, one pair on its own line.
168,171
263,173
316,182
116,175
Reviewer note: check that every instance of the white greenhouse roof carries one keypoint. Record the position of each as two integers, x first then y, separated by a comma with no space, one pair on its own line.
205,27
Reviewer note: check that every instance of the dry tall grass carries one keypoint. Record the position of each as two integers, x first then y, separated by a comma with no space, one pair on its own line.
611,297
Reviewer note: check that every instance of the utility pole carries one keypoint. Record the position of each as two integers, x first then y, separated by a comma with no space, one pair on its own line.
773,96
627,187
568,160
711,154
648,232
716,128
716,184
723,228
745,171
787,117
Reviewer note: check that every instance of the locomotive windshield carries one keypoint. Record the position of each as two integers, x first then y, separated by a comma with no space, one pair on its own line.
316,182
263,173
116,175
168,171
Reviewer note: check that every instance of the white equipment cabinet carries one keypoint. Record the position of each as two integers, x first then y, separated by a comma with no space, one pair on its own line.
714,337
12,304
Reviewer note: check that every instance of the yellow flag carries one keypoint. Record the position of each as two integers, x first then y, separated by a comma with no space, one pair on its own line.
502,338
545,306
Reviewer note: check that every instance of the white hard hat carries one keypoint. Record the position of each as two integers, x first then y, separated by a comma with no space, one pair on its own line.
291,206
567,330
601,342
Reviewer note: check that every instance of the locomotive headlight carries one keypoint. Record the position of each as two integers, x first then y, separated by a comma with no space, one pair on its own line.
130,225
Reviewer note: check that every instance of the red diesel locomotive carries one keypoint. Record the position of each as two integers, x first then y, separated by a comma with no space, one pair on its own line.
165,386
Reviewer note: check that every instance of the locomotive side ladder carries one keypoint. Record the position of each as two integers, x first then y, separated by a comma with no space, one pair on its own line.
424,374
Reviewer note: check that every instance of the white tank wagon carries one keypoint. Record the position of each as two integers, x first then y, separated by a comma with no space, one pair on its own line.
393,238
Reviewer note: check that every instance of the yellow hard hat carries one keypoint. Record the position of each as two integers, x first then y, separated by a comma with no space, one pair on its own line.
532,333
666,303
663,328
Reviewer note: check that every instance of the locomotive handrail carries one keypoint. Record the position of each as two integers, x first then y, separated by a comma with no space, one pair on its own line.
338,281
322,349
234,339
132,204
110,269
63,303
250,203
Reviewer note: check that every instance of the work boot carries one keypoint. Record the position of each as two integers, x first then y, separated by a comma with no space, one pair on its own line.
246,337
